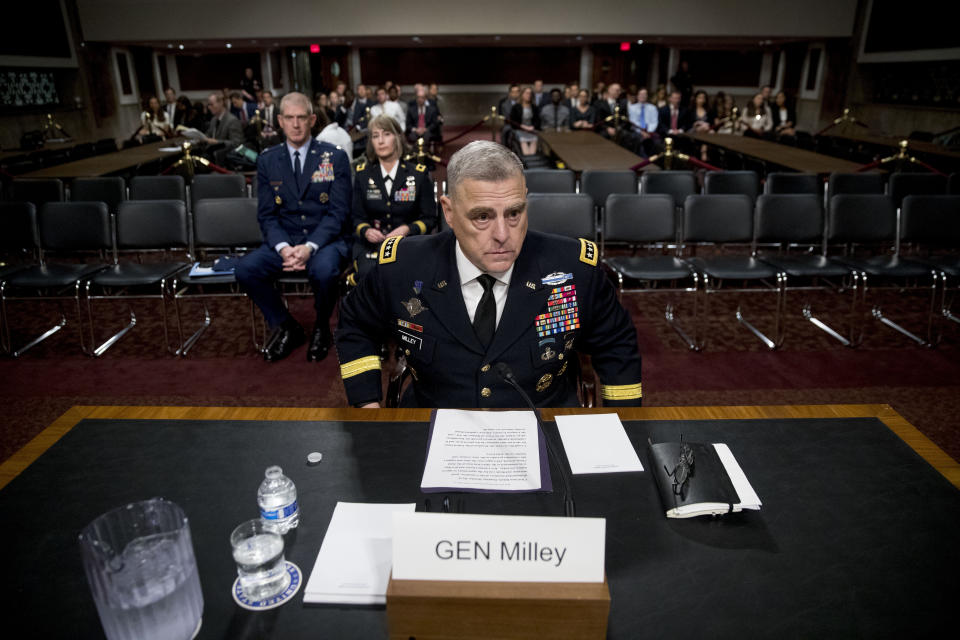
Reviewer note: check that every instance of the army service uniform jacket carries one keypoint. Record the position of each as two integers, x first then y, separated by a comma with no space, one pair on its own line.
558,303
315,210
411,201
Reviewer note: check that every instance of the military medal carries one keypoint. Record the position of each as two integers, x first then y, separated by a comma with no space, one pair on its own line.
413,306
562,314
544,382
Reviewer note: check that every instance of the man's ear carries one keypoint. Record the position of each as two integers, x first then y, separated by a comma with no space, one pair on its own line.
447,206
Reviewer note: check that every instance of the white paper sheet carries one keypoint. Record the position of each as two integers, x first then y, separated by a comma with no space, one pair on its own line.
353,565
493,450
597,444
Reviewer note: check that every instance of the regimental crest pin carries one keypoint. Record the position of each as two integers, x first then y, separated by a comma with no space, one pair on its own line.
413,306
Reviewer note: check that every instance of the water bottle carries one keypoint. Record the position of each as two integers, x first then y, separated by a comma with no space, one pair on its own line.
277,497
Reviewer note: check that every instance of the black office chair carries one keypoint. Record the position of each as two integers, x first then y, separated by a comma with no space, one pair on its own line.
866,220
142,225
726,182
916,184
69,227
111,190
795,183
792,220
550,180
37,191
216,185
727,219
565,214
158,188
18,245
600,184
678,184
224,225
855,183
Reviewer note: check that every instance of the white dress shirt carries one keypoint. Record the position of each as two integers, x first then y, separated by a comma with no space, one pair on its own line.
472,290
393,109
650,116
335,135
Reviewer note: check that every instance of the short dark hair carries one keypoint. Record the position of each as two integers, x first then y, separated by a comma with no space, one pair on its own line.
236,94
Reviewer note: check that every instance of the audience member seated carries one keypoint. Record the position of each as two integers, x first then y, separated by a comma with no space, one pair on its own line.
611,105
644,118
153,121
767,92
539,95
390,197
513,97
188,114
583,115
332,133
322,105
304,201
241,110
170,107
270,116
660,97
335,101
757,118
395,95
599,93
571,96
386,107
727,118
555,116
358,114
784,116
423,119
223,127
526,118
673,119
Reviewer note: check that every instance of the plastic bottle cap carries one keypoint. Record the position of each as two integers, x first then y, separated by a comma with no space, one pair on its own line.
314,457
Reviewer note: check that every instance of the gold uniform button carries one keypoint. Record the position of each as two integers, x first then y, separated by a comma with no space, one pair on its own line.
485,368
304,218
560,357
406,351
485,392
300,203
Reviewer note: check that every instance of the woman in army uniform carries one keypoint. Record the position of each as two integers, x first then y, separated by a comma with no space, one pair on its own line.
390,197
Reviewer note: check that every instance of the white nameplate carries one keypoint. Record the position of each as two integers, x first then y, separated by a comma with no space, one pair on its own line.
448,546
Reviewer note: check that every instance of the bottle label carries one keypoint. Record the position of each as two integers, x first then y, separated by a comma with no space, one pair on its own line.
281,513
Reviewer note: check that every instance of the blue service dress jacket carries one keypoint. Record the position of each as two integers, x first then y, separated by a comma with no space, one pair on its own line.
559,303
315,209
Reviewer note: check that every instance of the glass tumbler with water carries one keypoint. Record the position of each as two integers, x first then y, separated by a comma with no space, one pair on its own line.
142,571
258,552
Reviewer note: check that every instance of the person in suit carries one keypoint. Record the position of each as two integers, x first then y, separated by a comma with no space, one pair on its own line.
303,190
423,119
487,291
554,116
390,197
540,97
358,115
673,119
610,106
171,106
242,111
270,115
784,116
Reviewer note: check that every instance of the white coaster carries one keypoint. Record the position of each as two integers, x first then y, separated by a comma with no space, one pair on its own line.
273,601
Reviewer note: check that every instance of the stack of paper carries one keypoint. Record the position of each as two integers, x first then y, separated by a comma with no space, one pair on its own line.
354,562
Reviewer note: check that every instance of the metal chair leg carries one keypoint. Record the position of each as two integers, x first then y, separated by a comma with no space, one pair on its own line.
778,327
670,316
6,339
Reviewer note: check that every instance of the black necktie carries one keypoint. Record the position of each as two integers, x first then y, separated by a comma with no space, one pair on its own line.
388,183
485,318
296,167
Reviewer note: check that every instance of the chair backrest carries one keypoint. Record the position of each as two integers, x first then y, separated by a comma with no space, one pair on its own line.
599,184
19,223
794,218
723,182
718,218
226,222
550,180
863,218
565,214
678,184
855,183
74,226
151,224
931,220
640,218
217,186
158,188
916,184
112,190
37,191
809,183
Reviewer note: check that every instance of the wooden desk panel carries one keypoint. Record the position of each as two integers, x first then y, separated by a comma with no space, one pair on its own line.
925,447
583,150
109,162
780,154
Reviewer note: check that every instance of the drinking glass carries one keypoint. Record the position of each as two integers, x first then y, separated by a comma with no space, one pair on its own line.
142,572
258,552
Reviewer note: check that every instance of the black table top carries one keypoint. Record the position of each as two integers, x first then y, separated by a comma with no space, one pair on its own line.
857,536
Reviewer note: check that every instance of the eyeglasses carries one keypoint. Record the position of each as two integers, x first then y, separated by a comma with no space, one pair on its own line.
301,119
682,470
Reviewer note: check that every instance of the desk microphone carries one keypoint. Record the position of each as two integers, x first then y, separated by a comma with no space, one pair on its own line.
504,371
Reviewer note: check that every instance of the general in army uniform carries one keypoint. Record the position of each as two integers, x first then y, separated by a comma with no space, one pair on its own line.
390,197
487,292
303,190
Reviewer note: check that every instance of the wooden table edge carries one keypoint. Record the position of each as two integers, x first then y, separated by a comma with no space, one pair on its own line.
920,443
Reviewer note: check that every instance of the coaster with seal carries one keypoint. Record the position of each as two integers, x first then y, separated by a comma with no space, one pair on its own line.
296,578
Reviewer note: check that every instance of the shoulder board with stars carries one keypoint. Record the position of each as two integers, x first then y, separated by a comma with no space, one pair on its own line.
588,252
388,250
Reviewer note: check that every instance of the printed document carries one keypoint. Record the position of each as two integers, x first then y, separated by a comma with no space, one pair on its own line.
483,450
597,444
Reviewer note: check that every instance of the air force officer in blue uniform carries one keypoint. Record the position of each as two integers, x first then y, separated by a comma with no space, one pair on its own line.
304,192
